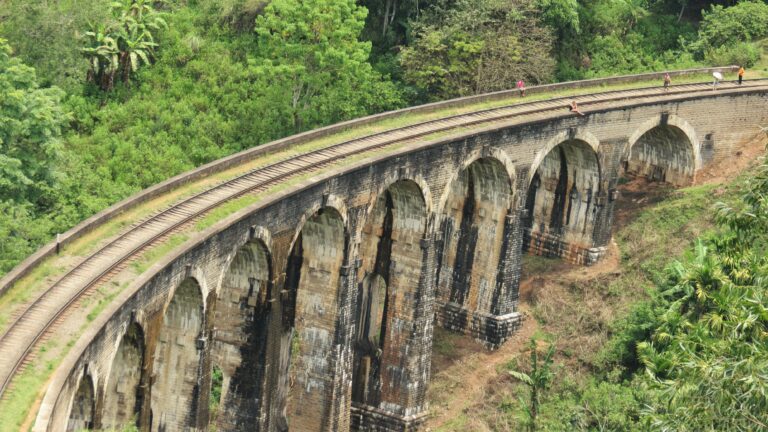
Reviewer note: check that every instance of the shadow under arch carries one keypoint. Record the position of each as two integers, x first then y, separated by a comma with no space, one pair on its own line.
310,308
472,226
177,360
241,317
82,413
124,390
391,260
665,152
562,201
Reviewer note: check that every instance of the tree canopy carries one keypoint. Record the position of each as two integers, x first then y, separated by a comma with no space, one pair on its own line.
467,47
31,120
303,47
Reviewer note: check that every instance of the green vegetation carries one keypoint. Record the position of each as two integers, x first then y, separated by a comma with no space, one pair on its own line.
469,47
538,381
217,384
119,48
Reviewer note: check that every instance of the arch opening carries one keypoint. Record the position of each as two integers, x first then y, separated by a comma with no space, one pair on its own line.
662,154
310,313
561,203
81,416
472,229
391,265
240,328
177,360
124,395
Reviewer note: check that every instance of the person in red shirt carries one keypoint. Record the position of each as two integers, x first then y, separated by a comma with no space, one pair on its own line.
521,88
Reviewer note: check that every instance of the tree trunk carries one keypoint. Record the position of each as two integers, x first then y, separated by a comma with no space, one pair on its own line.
385,23
680,15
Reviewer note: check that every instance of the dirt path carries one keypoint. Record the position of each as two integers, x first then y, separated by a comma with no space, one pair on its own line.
463,373
462,377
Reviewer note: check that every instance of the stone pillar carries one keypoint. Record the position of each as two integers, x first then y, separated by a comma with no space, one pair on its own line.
202,412
411,410
274,390
503,318
611,153
343,354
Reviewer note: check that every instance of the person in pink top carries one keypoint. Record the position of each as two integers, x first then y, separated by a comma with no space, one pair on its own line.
521,88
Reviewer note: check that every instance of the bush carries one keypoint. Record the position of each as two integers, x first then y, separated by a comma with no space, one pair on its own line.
721,26
594,407
744,54
477,47
45,34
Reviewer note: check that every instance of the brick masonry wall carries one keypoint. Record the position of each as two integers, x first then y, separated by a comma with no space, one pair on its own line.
722,122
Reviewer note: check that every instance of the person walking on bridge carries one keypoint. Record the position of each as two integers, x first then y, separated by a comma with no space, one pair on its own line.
718,77
741,74
667,81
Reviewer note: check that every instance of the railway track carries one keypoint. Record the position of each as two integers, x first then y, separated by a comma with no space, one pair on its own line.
34,322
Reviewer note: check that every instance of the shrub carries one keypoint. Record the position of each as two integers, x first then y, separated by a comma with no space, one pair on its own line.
744,54
746,21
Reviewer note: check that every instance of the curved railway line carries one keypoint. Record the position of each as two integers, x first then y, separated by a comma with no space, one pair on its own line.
39,317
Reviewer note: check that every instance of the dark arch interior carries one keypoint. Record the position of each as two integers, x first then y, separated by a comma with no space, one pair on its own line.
241,321
123,397
472,231
81,414
561,200
391,267
663,154
177,359
312,283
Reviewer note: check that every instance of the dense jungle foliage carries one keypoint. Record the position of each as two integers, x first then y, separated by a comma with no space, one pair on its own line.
100,99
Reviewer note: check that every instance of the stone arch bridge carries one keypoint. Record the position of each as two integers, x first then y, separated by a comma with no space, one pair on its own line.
313,307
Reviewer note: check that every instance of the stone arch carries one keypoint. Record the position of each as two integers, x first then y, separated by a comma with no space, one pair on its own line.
406,176
81,414
239,336
391,249
490,153
562,199
177,360
664,150
472,231
571,135
124,395
329,202
310,308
